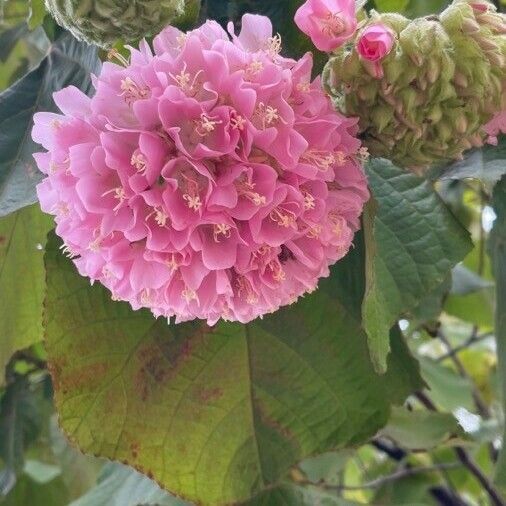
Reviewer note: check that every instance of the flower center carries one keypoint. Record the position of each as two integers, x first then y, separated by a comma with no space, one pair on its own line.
185,82
337,223
314,232
309,201
221,229
245,189
191,196
333,24
206,124
273,46
161,217
188,295
131,91
172,263
237,122
268,115
139,162
283,217
245,289
119,194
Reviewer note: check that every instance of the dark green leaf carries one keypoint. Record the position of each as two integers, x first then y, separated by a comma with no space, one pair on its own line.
67,62
413,241
497,250
214,414
20,424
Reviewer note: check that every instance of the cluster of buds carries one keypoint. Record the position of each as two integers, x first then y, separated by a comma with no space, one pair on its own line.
427,100
103,22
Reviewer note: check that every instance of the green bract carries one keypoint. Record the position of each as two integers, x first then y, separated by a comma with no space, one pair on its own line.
103,22
443,80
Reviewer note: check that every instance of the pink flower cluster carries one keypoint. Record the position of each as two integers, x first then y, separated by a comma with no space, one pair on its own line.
209,179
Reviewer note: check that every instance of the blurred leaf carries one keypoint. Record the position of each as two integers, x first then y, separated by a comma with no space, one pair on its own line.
487,164
465,281
37,14
30,493
497,250
22,280
412,243
20,424
446,388
472,298
325,467
391,5
190,17
41,472
79,472
476,308
419,8
240,404
67,62
122,486
13,12
419,429
294,495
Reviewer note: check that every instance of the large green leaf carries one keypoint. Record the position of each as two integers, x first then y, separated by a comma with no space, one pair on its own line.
68,62
218,414
22,280
498,254
413,241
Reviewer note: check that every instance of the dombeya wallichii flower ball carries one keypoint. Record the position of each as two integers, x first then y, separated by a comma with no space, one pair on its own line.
442,81
211,179
103,22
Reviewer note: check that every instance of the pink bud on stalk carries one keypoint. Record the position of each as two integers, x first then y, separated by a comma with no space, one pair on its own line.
374,43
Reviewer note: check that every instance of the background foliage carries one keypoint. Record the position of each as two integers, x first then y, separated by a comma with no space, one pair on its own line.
307,406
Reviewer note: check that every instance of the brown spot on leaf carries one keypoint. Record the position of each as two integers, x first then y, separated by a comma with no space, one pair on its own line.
134,448
2,240
208,395
161,360
88,376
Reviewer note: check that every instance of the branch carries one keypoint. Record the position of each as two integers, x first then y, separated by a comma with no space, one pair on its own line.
467,461
478,398
379,482
473,339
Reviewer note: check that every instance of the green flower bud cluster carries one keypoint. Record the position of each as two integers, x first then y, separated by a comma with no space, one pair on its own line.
443,80
103,22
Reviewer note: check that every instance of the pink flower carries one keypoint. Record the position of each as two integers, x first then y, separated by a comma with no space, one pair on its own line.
495,127
207,179
329,23
374,43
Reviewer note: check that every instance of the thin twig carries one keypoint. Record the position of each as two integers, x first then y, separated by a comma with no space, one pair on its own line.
478,398
398,475
473,339
467,461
